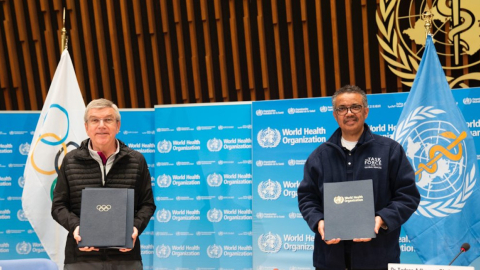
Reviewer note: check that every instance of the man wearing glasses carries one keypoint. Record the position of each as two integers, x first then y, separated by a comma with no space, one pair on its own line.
343,158
101,161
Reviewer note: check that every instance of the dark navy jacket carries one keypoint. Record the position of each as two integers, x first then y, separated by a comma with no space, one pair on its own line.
395,195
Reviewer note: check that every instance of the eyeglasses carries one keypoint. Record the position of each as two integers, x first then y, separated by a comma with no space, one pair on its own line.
106,121
343,110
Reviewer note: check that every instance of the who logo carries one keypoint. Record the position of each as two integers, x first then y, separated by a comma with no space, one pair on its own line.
269,190
214,179
268,138
269,243
214,215
164,146
164,180
164,215
23,248
163,251
214,145
438,153
214,251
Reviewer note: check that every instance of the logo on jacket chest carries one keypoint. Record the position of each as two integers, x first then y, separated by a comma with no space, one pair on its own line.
373,163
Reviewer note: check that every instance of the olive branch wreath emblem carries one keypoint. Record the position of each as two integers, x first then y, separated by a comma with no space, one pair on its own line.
428,208
400,64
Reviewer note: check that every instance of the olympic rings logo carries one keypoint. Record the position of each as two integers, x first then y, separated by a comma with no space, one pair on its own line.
54,123
104,207
59,141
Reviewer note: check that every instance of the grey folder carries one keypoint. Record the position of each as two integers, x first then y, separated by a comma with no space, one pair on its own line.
106,218
349,210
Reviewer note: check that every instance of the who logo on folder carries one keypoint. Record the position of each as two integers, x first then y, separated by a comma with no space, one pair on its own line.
438,144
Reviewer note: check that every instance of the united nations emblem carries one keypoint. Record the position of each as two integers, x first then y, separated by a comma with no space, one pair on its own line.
163,251
24,248
338,199
269,190
438,154
164,146
268,138
259,163
164,181
214,145
164,215
214,215
214,251
269,243
455,31
214,179
24,148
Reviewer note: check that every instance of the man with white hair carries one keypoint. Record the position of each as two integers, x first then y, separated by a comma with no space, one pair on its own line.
101,161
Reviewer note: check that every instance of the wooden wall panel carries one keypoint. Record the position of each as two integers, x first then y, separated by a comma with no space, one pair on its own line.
140,53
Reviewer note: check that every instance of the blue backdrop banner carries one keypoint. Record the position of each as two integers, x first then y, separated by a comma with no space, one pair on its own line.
203,187
202,159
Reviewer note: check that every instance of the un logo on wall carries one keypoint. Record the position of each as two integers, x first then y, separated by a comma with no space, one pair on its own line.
164,146
164,181
163,251
24,248
214,179
214,145
214,215
268,138
269,243
438,154
164,215
269,190
214,251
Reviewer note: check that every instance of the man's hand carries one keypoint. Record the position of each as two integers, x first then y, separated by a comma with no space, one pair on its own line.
321,230
77,237
134,237
378,224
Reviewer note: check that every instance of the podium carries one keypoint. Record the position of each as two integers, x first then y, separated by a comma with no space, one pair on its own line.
402,266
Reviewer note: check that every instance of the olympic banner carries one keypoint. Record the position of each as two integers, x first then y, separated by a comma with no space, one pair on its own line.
203,187
59,130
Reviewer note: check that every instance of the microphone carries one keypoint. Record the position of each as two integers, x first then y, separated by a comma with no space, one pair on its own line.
464,248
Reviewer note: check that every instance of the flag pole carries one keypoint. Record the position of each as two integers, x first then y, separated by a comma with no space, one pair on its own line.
64,35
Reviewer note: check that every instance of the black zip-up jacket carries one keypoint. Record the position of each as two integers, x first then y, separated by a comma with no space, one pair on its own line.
78,171
395,197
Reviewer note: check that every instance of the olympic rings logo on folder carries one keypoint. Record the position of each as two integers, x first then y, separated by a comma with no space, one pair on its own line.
103,207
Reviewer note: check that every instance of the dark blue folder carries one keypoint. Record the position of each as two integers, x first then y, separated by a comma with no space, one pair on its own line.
106,218
349,210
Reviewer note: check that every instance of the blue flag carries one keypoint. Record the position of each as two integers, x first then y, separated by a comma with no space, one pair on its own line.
440,148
